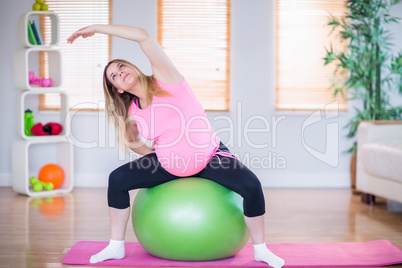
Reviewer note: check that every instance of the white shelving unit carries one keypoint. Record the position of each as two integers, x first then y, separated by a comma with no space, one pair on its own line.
25,60
63,118
24,152
55,149
23,29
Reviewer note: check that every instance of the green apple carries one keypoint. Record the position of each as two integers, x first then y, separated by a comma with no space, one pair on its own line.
44,7
36,7
39,1
37,187
49,186
33,180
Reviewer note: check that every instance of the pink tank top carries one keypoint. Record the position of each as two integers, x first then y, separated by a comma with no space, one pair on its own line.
184,138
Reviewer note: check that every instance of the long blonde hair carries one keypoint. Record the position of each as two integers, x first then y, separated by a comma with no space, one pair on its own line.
117,104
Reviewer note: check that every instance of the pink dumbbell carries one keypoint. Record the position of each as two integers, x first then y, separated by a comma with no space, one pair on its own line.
43,82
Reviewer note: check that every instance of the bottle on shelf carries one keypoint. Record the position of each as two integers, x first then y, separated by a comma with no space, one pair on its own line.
28,122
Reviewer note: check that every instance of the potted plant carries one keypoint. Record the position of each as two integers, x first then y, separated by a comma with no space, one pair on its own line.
366,69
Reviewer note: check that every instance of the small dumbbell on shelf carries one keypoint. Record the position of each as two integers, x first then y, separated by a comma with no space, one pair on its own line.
43,82
50,128
38,185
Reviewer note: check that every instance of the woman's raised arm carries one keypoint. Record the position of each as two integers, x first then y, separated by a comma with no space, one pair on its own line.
162,67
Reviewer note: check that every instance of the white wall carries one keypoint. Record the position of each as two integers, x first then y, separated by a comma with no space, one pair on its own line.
286,162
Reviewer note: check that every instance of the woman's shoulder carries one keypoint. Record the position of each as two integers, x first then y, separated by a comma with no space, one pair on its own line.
182,83
171,81
133,107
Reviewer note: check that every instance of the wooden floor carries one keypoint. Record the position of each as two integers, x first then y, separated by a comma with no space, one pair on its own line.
38,232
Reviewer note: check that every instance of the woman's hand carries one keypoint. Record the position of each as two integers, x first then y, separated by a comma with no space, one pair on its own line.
162,68
153,147
83,32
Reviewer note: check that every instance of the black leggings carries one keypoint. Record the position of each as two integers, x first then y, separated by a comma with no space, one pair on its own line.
147,172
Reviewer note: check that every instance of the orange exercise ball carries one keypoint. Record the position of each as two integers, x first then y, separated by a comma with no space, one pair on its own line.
52,173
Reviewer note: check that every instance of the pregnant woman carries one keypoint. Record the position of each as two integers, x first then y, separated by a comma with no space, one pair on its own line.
163,108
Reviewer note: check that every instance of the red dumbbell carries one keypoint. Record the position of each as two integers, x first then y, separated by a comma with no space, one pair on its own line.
50,128
43,82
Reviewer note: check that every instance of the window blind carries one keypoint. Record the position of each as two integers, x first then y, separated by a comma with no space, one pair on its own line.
196,36
302,80
83,61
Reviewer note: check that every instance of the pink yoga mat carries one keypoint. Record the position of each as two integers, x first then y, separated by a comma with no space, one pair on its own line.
348,254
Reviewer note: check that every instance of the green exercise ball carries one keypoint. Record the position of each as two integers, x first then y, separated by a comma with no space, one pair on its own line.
189,219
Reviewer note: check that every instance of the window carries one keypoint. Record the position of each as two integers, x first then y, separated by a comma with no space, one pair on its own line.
82,62
196,36
302,80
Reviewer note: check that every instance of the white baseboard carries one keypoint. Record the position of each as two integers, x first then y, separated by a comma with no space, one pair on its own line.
91,180
80,180
304,180
268,180
5,180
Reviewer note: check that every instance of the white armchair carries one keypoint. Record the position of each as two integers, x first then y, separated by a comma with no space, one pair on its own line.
379,160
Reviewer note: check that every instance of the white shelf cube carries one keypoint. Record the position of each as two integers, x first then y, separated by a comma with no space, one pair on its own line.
21,157
27,60
63,118
34,15
30,154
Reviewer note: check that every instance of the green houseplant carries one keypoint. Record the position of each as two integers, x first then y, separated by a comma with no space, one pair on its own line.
366,70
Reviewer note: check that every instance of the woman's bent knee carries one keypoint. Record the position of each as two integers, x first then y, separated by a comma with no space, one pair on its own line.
253,197
118,195
251,186
115,179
